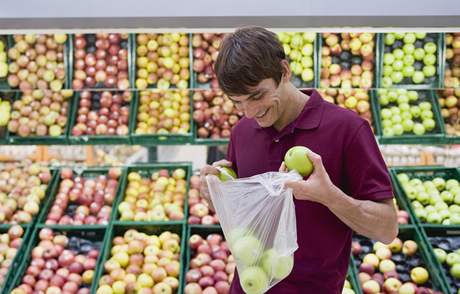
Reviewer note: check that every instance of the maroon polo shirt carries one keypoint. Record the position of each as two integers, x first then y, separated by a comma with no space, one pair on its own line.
354,163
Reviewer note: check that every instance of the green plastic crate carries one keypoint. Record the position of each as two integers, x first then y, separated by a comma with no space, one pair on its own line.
424,173
434,137
119,229
147,169
412,233
95,139
375,53
439,40
444,233
87,172
98,235
352,277
157,139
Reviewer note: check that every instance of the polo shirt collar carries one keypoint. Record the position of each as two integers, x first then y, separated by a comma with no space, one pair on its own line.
311,115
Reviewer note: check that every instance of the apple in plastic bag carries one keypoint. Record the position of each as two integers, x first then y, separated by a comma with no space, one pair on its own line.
236,234
276,265
254,280
297,159
247,249
224,176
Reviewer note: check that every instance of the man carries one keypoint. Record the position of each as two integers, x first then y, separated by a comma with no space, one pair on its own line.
349,189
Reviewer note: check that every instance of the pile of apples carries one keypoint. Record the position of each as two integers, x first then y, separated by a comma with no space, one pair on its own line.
394,268
205,50
60,264
409,58
211,265
103,113
163,112
356,100
449,100
84,199
10,242
199,212
347,60
447,252
22,189
347,289
3,59
162,60
101,61
156,197
143,264
40,113
405,112
452,73
435,200
37,62
214,113
299,49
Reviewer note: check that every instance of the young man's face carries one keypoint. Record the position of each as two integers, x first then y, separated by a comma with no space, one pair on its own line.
263,103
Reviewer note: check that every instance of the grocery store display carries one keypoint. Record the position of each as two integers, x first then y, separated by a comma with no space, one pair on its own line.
40,113
357,100
399,267
102,113
38,61
23,188
410,59
347,60
3,58
205,49
60,262
434,198
142,262
100,61
154,195
449,101
452,66
446,250
163,112
85,198
10,242
404,112
199,212
162,60
211,265
300,51
214,114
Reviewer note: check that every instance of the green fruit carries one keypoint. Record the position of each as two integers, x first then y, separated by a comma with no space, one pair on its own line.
386,113
440,255
411,193
429,59
389,39
406,115
416,204
430,47
387,70
408,60
398,129
421,214
418,77
434,218
423,197
429,70
308,75
454,218
307,49
413,95
452,258
386,123
275,265
248,250
309,37
254,280
420,36
447,197
409,48
388,132
3,69
388,58
429,124
441,206
396,119
415,111
455,271
419,53
439,183
236,234
396,77
408,125
398,53
419,129
408,71
296,158
452,183
403,178
409,38
454,209
387,82
227,174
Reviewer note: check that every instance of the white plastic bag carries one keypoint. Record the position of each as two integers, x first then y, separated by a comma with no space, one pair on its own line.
258,219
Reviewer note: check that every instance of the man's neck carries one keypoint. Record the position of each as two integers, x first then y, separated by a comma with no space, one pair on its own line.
295,103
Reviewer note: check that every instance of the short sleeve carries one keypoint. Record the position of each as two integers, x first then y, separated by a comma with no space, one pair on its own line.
366,176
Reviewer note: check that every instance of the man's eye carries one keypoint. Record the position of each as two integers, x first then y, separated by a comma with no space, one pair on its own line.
256,97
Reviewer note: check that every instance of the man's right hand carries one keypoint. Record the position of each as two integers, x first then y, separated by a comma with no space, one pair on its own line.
210,170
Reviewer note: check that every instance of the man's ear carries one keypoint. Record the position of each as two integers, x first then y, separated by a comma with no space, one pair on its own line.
286,71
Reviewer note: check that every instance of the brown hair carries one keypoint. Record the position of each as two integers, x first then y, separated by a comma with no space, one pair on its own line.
246,57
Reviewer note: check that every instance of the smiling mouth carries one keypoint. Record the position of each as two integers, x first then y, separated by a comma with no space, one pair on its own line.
262,114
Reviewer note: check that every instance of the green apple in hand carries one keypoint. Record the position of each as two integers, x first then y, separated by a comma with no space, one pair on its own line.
254,280
297,159
228,174
275,265
247,249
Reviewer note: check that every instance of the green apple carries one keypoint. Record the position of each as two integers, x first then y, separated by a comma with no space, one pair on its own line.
447,197
397,76
419,53
454,218
419,275
425,105
454,208
307,49
387,70
452,258
430,209
444,214
403,178
386,113
419,129
388,132
415,182
429,70
254,280
416,204
398,54
309,36
434,218
389,39
430,47
396,119
388,58
275,265
451,183
408,48
423,197
439,183
441,206
421,214
446,222
227,174
457,199
408,71
248,250
418,77
440,255
409,38
236,234
387,82
455,271
408,125
411,192
307,75
408,59
386,123
429,59
429,124
398,129
403,103
420,36
297,159
395,110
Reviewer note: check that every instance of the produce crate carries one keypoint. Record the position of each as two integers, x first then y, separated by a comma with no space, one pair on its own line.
147,169
403,205
375,53
14,139
157,139
203,231
423,257
445,239
352,277
194,75
98,235
4,81
450,138
6,95
120,229
424,173
71,62
90,172
96,139
17,260
407,82
434,137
